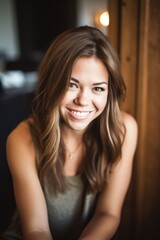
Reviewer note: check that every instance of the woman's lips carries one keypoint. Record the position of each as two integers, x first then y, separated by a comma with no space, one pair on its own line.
79,114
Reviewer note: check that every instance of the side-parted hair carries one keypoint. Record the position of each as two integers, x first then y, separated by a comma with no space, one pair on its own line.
105,135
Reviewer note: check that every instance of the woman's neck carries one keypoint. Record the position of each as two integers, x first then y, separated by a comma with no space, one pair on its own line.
71,136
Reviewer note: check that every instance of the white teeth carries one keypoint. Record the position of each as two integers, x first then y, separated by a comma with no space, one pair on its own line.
80,114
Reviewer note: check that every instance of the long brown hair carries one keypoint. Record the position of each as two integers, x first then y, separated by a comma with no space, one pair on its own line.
105,143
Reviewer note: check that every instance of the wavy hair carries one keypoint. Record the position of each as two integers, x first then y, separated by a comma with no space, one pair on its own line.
105,135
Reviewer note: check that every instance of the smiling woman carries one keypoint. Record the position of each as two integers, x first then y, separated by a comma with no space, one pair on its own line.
77,148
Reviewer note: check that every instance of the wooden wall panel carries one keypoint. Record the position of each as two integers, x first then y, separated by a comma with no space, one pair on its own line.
114,30
125,21
148,192
138,45
128,51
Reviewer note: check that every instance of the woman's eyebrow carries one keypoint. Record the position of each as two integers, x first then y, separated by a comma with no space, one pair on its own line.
94,84
74,79
99,83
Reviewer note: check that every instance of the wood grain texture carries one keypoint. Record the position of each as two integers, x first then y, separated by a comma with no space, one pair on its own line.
138,42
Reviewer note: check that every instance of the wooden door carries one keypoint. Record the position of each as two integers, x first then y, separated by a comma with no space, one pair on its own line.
135,33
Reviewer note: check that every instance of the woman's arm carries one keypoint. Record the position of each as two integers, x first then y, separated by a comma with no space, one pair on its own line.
107,215
28,192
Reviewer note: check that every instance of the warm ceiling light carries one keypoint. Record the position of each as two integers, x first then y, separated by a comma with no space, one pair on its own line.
104,19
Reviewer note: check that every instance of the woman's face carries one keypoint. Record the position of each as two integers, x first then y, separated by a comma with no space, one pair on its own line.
86,96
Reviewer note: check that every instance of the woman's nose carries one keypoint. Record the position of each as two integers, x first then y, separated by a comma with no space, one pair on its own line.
82,98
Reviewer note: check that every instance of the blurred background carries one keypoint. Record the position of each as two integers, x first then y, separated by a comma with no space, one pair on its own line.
26,30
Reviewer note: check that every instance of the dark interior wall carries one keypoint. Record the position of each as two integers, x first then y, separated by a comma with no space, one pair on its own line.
39,22
13,109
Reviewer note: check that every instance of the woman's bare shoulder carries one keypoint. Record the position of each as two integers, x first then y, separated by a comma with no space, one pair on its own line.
20,133
129,121
131,133
19,144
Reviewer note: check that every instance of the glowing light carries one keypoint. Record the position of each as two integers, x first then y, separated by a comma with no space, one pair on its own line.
104,18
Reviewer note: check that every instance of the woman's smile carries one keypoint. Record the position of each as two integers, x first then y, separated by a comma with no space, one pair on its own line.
79,114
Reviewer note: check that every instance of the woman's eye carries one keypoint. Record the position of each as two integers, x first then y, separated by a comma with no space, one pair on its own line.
99,89
73,85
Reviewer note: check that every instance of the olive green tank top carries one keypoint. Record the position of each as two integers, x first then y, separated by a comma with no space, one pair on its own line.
69,212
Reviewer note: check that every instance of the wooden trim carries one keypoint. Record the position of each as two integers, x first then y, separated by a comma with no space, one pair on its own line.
128,51
142,86
114,26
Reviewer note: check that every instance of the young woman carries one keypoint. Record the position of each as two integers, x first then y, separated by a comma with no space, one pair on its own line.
71,161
